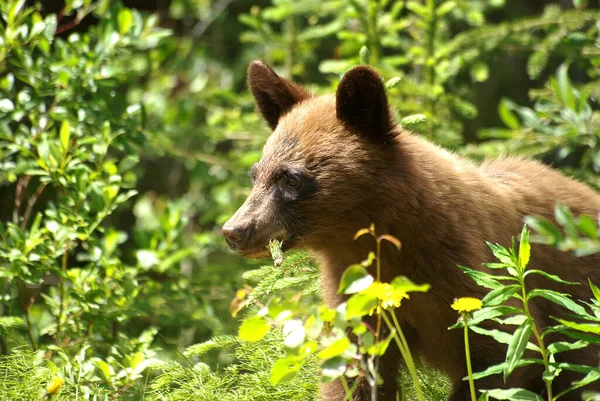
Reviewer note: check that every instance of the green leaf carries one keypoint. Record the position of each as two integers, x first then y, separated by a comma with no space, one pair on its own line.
294,333
355,279
517,346
105,368
587,226
359,305
332,369
591,377
513,394
405,284
445,8
501,336
285,370
562,346
584,327
549,276
595,290
491,313
336,349
65,135
559,299
564,217
499,295
413,120
392,82
6,105
524,249
565,90
365,55
479,72
254,329
481,278
125,19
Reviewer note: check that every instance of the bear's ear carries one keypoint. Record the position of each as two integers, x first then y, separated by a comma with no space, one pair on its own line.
361,104
274,95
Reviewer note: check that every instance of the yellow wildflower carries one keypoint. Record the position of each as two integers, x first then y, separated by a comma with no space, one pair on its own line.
54,386
387,295
467,304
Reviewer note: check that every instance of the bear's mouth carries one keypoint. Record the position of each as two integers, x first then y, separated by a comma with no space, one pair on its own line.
264,252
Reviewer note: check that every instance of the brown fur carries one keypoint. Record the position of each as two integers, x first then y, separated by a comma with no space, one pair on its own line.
442,207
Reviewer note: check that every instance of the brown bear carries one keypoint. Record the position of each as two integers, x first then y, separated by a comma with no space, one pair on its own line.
336,164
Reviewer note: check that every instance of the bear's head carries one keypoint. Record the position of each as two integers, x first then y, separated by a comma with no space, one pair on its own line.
321,167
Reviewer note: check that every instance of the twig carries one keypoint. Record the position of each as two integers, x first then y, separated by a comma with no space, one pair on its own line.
21,185
27,302
203,25
65,260
31,203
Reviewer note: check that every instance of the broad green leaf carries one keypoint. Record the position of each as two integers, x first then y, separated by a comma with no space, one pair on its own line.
355,279
125,20
106,369
499,368
6,105
336,349
585,327
293,333
65,135
359,305
285,370
517,347
481,278
507,116
492,312
559,299
501,336
254,328
405,284
513,394
332,369
499,295
479,72
562,346
587,226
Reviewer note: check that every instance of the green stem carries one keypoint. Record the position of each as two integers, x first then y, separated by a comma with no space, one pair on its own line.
468,356
65,260
372,36
26,306
430,54
537,335
346,388
289,59
405,352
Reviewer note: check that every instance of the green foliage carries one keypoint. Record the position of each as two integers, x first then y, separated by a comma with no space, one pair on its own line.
98,103
514,262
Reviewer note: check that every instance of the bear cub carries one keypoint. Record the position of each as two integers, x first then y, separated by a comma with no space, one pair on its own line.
337,163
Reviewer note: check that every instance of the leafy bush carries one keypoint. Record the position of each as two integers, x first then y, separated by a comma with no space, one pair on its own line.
124,146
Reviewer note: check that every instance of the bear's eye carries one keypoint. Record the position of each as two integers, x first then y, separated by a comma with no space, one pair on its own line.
292,182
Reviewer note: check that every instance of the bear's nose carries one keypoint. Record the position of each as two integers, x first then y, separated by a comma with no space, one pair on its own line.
234,235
